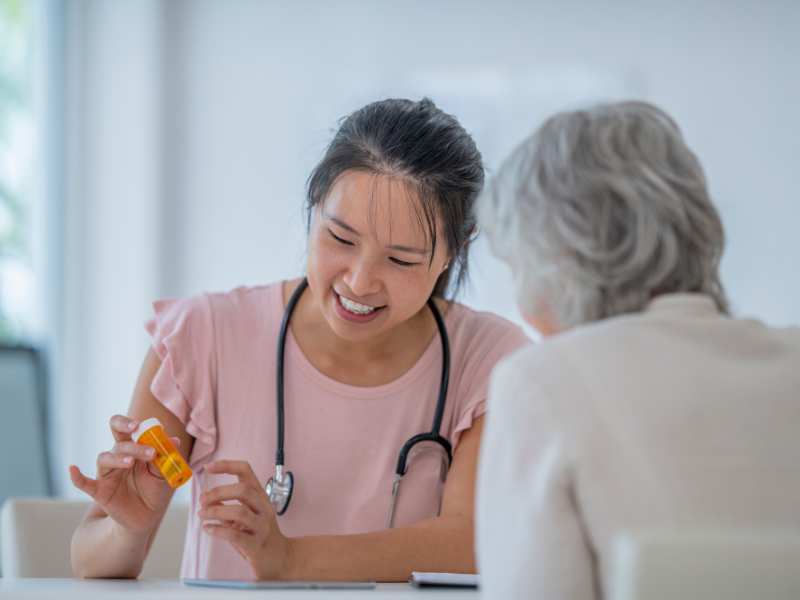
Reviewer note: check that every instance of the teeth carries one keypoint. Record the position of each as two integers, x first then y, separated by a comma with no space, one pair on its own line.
355,307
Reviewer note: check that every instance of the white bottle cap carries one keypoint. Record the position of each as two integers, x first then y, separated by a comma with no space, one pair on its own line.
144,426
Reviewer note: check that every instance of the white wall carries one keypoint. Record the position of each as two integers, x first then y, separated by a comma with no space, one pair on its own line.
202,119
260,87
112,219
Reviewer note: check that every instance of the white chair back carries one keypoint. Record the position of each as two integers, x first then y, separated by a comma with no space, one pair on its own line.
35,537
733,565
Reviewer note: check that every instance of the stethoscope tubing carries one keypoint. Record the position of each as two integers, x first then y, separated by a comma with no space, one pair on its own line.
432,436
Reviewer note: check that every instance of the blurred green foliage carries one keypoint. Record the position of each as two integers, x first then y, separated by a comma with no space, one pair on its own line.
14,97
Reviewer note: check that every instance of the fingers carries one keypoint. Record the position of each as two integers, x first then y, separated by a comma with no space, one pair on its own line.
122,427
153,471
236,536
134,450
254,498
123,456
108,461
234,514
240,468
83,483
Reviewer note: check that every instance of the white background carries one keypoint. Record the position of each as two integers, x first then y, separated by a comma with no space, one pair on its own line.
191,128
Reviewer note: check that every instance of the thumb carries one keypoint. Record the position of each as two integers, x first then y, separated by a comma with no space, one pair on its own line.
85,484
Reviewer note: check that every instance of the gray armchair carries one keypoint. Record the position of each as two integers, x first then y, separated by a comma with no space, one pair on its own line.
24,463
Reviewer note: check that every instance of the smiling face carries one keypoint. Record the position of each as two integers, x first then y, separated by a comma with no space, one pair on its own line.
369,258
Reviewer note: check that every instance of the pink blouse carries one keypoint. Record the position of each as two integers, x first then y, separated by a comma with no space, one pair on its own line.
217,375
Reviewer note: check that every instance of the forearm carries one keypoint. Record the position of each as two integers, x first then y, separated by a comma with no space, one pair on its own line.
442,544
103,549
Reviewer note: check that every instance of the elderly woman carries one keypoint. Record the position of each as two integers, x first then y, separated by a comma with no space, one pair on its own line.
647,406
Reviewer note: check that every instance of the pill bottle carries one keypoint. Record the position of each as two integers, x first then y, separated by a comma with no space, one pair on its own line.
168,460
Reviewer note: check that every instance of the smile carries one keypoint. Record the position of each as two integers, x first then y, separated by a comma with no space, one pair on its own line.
355,307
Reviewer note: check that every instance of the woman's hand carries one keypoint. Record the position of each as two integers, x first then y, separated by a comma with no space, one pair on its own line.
249,525
128,488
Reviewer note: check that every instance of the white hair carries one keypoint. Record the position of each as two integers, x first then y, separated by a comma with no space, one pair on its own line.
599,211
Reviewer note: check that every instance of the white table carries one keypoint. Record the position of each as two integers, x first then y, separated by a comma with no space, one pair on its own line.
76,589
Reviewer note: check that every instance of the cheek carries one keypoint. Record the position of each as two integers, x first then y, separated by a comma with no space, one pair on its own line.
409,289
322,260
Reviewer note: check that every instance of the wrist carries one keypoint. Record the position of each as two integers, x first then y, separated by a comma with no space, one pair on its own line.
291,569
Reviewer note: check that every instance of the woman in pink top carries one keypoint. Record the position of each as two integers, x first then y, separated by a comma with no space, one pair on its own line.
390,221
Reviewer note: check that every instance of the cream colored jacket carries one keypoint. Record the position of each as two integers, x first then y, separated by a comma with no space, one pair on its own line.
671,418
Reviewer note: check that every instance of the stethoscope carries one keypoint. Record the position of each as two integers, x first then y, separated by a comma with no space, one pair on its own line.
279,488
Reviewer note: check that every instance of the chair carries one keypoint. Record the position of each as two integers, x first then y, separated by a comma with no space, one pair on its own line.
733,565
24,470
35,538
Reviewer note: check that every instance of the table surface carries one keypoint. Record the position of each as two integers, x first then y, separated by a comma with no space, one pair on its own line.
77,589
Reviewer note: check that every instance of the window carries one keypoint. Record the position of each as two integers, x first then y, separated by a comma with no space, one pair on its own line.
17,137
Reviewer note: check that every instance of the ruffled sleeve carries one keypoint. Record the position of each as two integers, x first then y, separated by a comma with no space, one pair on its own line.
183,338
488,348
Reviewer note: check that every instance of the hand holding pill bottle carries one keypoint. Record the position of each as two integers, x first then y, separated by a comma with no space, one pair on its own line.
129,486
168,460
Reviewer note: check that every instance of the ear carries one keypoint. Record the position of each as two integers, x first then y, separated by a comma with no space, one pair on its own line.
447,264
540,323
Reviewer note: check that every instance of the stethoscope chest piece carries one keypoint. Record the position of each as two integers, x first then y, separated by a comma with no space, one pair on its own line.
279,489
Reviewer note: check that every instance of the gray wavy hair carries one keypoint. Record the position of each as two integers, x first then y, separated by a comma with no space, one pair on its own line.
599,211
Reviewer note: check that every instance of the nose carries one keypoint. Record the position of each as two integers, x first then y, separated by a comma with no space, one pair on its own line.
361,278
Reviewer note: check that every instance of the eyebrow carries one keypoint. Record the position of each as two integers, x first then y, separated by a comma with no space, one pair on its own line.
399,248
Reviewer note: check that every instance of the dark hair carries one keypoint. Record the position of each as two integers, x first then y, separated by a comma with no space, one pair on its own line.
430,151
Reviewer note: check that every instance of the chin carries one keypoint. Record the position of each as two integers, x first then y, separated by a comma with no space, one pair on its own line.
354,333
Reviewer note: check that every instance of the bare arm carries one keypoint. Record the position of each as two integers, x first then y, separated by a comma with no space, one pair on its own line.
129,500
444,543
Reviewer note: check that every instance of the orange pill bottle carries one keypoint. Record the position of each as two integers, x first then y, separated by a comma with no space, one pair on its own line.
168,460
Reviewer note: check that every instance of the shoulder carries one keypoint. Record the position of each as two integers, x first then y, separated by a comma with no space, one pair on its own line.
551,362
535,389
180,314
556,376
478,342
204,313
240,310
473,332
247,298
